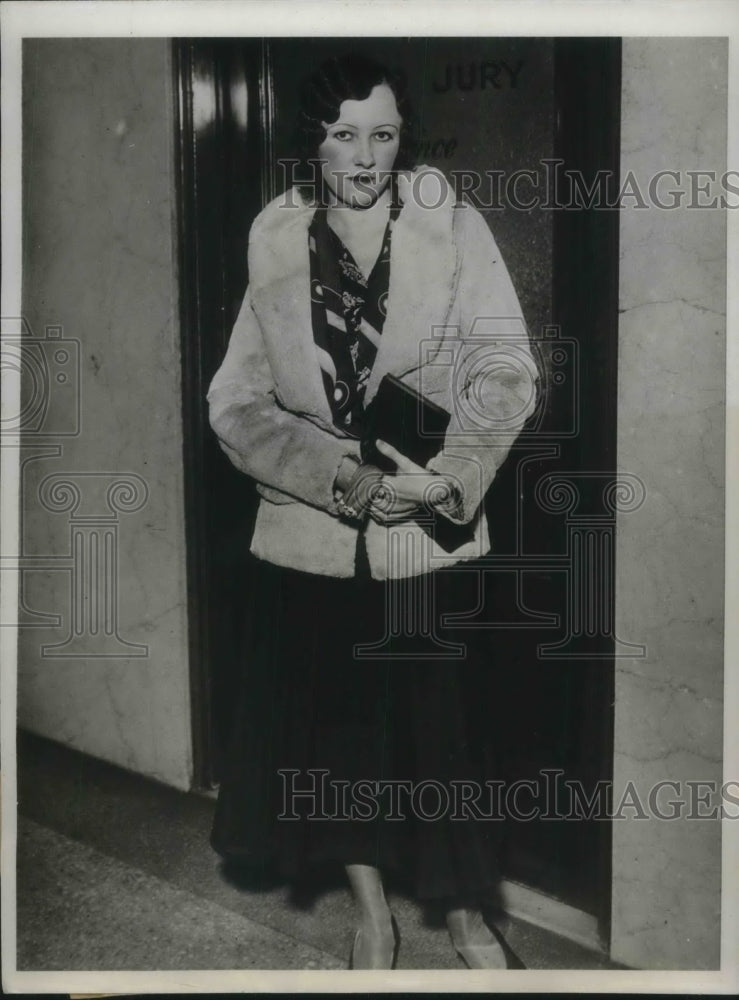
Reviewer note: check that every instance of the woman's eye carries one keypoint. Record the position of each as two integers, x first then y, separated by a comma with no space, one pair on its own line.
343,135
384,136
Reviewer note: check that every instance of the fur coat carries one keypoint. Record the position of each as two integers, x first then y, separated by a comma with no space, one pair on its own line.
453,330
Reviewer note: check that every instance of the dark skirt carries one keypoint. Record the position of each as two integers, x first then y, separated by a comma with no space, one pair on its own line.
358,726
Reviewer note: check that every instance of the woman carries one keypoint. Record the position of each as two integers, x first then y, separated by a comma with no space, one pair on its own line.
372,270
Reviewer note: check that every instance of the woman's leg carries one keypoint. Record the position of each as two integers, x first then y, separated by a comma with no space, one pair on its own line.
374,945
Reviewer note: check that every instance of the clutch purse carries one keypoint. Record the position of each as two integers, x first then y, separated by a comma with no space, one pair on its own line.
408,421
416,427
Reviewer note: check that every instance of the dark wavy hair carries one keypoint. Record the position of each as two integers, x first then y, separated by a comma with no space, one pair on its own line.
349,77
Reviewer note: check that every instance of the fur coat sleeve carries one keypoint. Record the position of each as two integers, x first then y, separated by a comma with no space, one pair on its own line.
274,446
492,377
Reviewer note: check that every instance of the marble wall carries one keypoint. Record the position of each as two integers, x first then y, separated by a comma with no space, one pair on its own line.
670,555
103,658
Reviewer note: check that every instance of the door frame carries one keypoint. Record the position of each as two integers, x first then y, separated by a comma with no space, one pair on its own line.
585,284
216,97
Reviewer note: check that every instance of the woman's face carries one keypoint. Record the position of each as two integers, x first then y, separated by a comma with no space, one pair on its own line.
360,147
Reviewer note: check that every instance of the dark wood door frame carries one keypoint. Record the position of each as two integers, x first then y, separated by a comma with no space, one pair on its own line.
585,305
221,175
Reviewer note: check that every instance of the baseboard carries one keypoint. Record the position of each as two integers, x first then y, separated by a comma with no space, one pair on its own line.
551,914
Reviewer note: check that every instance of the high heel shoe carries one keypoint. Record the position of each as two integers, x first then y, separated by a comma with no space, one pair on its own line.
376,961
482,956
496,954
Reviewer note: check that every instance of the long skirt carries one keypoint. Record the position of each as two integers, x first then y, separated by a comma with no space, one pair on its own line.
360,734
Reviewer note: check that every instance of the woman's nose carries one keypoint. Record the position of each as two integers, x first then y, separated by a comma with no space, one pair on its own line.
363,155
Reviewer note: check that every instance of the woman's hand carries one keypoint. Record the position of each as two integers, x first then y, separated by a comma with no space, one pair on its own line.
387,506
358,490
398,497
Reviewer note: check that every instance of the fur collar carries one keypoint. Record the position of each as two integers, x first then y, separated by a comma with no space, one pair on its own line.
423,269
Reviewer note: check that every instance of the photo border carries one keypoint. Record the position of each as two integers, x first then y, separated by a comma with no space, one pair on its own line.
216,18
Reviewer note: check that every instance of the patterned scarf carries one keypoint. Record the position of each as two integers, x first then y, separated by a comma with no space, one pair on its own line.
348,314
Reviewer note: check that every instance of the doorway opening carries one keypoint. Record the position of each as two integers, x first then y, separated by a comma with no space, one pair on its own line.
498,107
